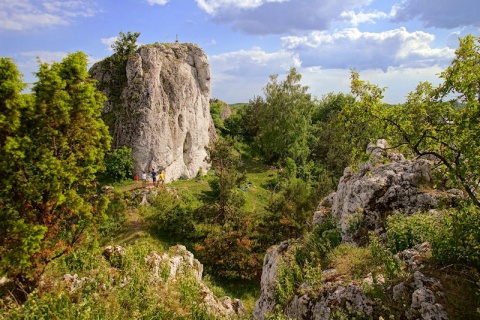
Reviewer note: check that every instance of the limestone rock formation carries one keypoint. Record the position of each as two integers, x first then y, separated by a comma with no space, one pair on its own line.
365,198
420,293
362,202
179,262
266,303
161,110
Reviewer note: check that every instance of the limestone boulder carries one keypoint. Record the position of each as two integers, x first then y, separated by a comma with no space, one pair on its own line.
386,184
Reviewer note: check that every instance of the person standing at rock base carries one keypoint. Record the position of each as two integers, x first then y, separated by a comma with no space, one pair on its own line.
144,179
154,177
162,177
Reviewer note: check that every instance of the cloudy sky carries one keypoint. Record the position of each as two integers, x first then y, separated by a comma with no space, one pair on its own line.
393,43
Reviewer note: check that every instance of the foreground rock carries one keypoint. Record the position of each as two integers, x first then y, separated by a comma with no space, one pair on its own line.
419,294
162,109
179,262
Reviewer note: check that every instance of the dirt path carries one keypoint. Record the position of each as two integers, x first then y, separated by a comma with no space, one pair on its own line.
135,227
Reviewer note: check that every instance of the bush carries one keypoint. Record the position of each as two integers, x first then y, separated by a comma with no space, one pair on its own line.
289,277
458,240
323,239
384,258
115,217
174,215
118,165
404,232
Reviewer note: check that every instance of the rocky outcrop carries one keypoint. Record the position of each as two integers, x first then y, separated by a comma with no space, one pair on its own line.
362,202
161,109
419,294
365,198
266,303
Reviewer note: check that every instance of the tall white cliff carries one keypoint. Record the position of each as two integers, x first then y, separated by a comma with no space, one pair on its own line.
163,110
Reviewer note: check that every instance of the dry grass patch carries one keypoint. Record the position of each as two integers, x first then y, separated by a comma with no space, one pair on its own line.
351,261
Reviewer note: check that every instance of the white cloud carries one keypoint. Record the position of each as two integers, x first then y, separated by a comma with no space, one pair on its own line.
351,48
212,6
159,2
277,16
244,73
45,56
358,18
108,42
398,82
19,15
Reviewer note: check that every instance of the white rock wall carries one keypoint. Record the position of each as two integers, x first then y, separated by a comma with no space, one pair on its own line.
171,127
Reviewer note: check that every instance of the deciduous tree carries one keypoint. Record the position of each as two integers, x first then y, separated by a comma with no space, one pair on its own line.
441,122
284,119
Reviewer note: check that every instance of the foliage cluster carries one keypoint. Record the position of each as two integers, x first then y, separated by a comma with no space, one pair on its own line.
458,239
118,165
52,145
440,122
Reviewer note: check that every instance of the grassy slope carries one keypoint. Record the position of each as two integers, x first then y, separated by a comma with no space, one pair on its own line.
257,196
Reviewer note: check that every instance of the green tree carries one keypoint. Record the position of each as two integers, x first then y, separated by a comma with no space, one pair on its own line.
225,186
125,45
288,213
331,149
229,248
118,164
440,122
49,158
284,119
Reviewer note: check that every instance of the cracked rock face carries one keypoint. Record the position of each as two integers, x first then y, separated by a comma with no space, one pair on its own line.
163,110
365,198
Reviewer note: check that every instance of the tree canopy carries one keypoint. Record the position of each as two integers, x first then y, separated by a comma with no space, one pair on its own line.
441,122
284,119
52,147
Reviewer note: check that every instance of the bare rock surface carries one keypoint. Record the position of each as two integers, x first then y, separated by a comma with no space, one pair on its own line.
365,198
163,110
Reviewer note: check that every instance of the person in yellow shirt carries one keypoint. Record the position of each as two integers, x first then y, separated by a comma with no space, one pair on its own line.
161,177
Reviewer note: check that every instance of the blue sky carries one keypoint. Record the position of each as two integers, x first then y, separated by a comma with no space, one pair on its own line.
392,43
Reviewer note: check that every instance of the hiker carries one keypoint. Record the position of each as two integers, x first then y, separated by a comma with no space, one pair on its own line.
148,93
144,179
154,177
136,178
162,177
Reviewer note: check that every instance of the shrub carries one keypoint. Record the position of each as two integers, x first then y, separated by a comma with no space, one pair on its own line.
289,276
405,232
458,240
323,239
118,165
384,258
174,215
115,217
